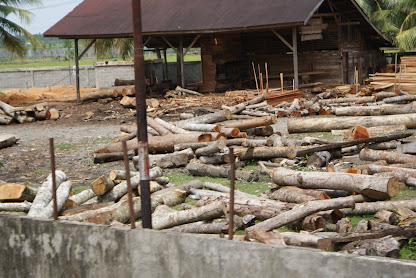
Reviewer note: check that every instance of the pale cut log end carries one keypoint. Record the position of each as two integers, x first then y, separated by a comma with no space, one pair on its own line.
353,170
11,191
228,114
113,175
69,204
115,93
393,187
98,186
221,143
221,135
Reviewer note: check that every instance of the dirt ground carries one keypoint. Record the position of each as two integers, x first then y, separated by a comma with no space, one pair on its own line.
79,131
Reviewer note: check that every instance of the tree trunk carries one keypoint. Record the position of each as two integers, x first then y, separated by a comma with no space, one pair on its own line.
62,194
80,198
379,188
383,247
299,125
376,110
256,122
158,127
274,237
400,99
213,159
102,185
5,120
83,208
121,174
261,208
198,169
205,119
408,232
100,94
17,191
7,140
390,157
212,148
99,158
18,207
172,128
201,228
52,114
386,216
170,160
377,130
301,211
265,153
401,173
207,212
201,127
356,100
120,189
306,240
44,195
292,194
253,143
374,207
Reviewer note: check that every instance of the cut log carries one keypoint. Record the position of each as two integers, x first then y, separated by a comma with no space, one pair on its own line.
306,240
153,187
121,82
80,198
403,98
376,110
102,185
19,207
128,102
62,194
409,148
17,191
5,120
273,237
170,160
172,128
402,174
374,131
201,127
52,114
121,189
311,223
44,195
180,89
320,159
7,140
207,212
84,208
407,231
198,169
390,157
384,247
356,100
344,226
265,153
292,194
121,174
299,125
256,122
99,94
201,228
356,132
99,158
213,159
301,211
374,207
212,148
386,216
158,127
378,188
261,208
205,119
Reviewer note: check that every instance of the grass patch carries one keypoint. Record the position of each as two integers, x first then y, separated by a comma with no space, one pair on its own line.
97,140
319,135
407,194
357,218
41,170
408,251
64,146
80,188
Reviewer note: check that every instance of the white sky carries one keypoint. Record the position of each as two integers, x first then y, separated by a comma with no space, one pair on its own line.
47,15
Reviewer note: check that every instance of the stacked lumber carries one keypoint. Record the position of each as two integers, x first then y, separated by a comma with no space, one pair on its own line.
274,98
28,114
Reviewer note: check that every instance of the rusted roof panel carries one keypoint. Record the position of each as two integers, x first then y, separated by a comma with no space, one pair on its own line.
109,18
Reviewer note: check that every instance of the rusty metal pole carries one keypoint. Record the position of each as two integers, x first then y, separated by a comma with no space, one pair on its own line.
140,87
232,188
129,188
53,169
77,72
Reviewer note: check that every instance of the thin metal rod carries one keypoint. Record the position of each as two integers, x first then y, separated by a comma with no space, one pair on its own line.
140,86
129,188
53,169
77,71
232,188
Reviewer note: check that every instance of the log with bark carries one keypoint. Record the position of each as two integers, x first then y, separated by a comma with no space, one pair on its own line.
301,211
377,130
406,231
306,240
44,195
62,194
201,127
402,174
212,148
292,194
376,110
171,127
19,207
100,94
7,140
158,127
99,158
374,207
17,191
356,100
102,185
205,119
299,125
273,237
80,198
170,160
121,174
390,157
383,247
386,216
378,188
252,123
199,169
265,153
201,228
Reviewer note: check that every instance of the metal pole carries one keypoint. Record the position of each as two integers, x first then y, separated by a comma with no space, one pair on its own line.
182,62
77,71
140,87
129,188
232,187
53,169
295,57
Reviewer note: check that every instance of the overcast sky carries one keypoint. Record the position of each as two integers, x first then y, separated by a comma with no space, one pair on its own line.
47,15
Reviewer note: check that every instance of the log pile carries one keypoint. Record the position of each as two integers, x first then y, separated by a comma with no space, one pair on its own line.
28,114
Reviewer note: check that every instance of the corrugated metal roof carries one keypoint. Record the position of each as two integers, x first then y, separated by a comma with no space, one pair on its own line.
109,18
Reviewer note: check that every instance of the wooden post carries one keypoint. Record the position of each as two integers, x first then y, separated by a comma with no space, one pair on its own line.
77,71
182,63
267,78
281,81
395,71
165,65
400,76
232,189
345,67
295,58
255,76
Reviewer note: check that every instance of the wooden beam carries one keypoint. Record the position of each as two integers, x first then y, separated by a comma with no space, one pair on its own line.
192,44
181,56
86,49
295,57
282,39
170,45
147,40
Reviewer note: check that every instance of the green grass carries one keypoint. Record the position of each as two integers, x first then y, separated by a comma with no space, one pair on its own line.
64,146
41,170
408,251
407,194
357,218
81,188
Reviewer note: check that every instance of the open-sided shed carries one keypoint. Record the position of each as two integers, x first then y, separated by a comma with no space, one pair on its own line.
307,40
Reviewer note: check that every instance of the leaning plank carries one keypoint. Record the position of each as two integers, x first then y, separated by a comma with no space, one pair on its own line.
306,240
374,207
62,194
207,212
7,140
121,189
199,169
301,211
379,188
20,207
390,157
299,125
44,195
17,191
80,198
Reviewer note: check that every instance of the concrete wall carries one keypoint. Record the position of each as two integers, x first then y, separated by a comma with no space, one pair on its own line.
43,77
100,75
46,248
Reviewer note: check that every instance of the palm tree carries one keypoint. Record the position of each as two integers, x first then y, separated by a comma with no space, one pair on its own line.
395,18
11,34
105,47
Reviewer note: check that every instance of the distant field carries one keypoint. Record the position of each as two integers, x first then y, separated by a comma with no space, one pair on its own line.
39,64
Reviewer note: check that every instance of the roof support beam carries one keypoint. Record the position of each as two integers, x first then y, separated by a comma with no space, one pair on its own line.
295,57
147,40
170,45
87,48
192,44
282,39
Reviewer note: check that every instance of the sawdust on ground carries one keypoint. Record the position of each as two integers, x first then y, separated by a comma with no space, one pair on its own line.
16,97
